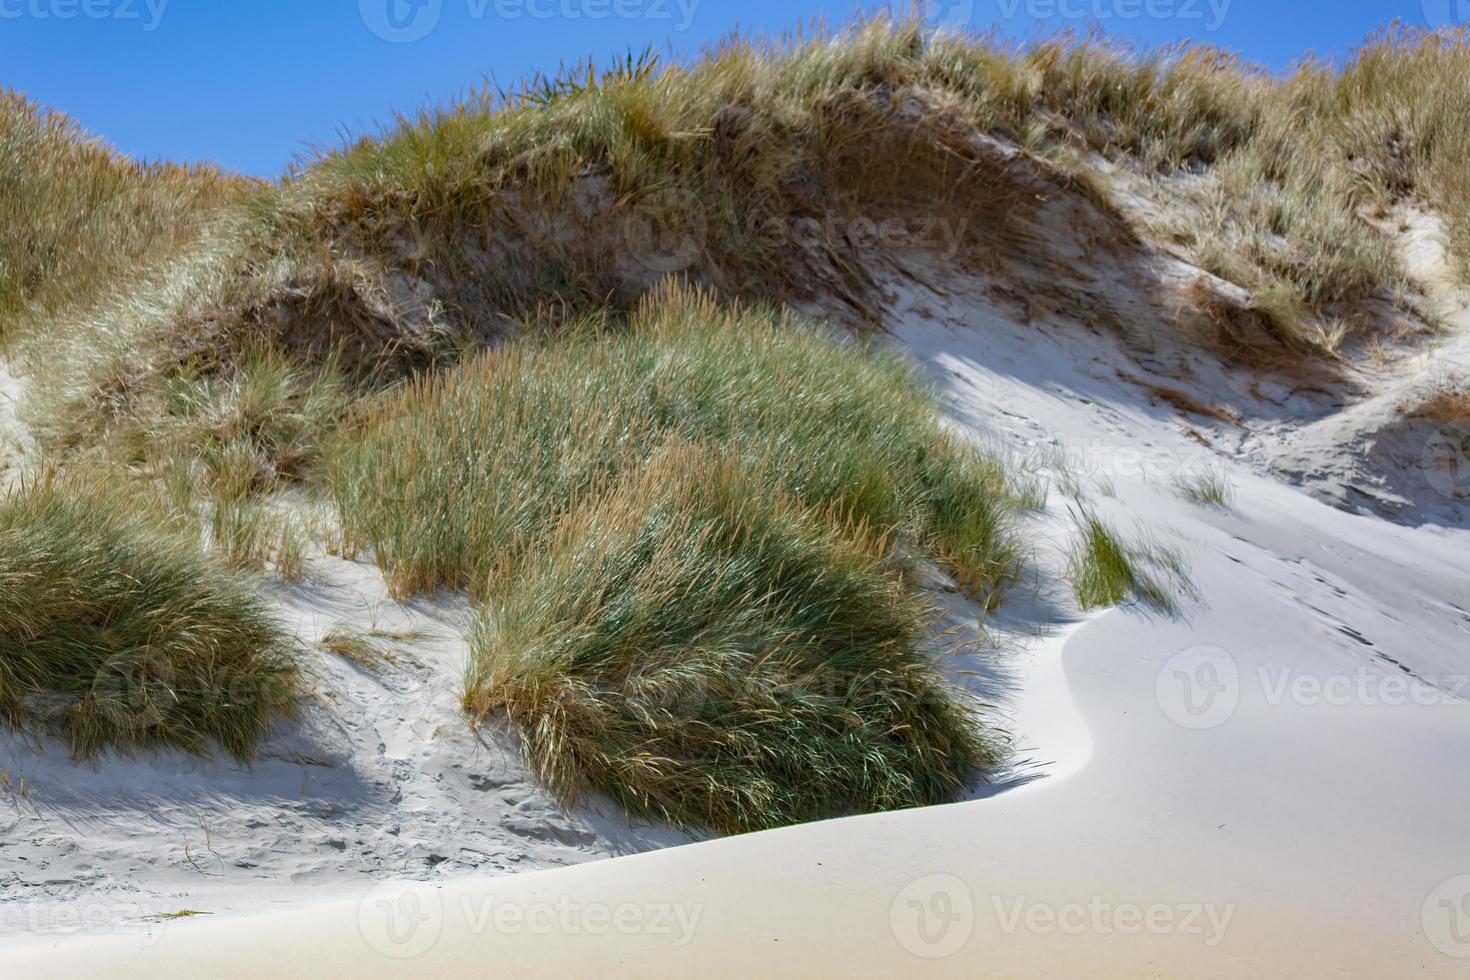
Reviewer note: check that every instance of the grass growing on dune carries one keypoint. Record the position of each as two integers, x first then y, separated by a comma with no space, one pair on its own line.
700,646
690,534
122,636
1106,570
77,218
1450,402
1210,487
438,230
441,477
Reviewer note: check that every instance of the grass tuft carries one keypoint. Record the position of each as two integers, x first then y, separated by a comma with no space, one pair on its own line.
123,636
363,649
442,476
76,218
1209,488
1105,570
709,652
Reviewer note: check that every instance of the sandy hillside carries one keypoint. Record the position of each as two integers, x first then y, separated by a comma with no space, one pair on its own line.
1160,296
1270,783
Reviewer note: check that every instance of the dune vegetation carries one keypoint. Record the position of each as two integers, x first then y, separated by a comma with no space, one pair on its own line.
690,532
78,221
440,477
690,522
1105,569
581,190
711,652
120,635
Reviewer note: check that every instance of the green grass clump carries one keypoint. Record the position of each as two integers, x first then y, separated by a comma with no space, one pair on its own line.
690,534
440,477
1105,570
1208,488
710,652
124,636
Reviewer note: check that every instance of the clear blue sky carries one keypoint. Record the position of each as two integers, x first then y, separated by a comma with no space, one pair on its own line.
250,83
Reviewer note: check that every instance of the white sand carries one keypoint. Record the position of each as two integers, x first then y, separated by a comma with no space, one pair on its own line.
1273,784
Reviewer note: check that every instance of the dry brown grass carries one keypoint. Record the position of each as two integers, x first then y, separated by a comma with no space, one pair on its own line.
1449,404
78,221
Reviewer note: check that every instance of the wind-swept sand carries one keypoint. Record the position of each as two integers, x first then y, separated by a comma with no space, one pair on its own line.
1272,784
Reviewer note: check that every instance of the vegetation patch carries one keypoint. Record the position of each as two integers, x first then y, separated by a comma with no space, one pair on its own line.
708,651
1106,570
123,636
441,477
77,219
1210,487
572,192
690,533
1450,403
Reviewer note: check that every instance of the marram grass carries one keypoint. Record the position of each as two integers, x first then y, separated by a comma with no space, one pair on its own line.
118,276
701,647
440,477
690,534
119,635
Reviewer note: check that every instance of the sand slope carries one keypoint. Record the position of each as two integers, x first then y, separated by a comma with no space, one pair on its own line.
1271,784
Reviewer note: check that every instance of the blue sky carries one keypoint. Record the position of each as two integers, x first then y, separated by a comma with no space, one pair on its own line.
251,83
